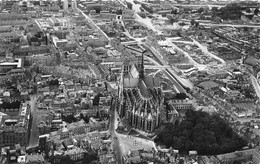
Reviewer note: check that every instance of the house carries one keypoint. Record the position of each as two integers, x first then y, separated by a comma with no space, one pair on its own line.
252,61
5,29
34,159
139,156
78,128
15,126
98,125
207,85
209,160
250,155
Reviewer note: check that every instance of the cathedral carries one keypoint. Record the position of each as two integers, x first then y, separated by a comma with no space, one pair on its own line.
141,98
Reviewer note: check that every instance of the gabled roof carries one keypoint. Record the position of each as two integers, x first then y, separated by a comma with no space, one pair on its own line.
143,89
131,82
152,82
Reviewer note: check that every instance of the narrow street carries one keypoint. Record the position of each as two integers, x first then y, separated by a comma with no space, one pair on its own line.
191,60
94,24
204,49
146,21
34,135
256,85
113,126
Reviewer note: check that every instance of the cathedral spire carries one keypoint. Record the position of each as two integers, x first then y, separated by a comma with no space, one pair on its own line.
141,75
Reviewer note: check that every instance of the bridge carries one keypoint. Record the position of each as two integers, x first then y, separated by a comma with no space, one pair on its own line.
200,5
180,83
208,23
129,43
231,25
155,67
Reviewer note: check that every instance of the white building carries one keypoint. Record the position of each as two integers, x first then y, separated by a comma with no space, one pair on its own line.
74,4
65,4
59,42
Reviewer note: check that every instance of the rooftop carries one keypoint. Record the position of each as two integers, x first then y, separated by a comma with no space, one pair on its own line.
34,158
17,62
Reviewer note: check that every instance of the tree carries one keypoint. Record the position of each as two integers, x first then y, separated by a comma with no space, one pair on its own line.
181,161
248,10
119,12
53,82
96,99
106,85
89,157
246,29
214,9
236,162
69,118
21,28
200,10
179,34
231,11
129,5
172,21
27,63
85,118
39,34
192,22
97,9
208,134
10,105
174,12
182,24
180,96
256,11
196,24
66,160
142,14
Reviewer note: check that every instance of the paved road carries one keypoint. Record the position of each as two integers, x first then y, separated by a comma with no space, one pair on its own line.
113,126
205,51
34,136
256,85
94,24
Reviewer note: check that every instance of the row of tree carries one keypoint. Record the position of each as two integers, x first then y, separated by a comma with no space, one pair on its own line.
53,82
10,105
88,158
232,12
98,9
208,134
147,8
129,5
71,118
